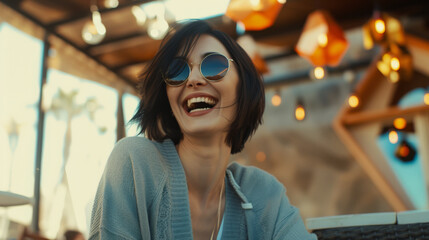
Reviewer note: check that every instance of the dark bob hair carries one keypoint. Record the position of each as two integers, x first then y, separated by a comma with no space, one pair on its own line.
154,112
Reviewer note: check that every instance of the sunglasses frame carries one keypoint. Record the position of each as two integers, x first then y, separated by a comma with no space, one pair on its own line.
202,60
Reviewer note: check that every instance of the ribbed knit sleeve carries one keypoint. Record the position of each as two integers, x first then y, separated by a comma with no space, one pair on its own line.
272,216
114,214
289,224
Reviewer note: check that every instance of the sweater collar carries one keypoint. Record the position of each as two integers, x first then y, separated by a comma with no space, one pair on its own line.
236,202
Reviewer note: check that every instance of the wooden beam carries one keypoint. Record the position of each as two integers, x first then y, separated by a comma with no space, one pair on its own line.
384,116
52,32
85,14
421,123
419,49
382,184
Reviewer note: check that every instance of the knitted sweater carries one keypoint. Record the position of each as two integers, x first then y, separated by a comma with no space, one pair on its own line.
143,195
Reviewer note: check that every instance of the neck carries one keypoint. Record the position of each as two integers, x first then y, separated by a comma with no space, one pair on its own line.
205,162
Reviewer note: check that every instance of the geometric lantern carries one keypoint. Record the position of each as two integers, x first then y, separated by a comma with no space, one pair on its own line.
383,29
396,63
254,14
322,41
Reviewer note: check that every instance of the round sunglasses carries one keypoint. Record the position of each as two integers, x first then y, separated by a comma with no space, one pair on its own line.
213,67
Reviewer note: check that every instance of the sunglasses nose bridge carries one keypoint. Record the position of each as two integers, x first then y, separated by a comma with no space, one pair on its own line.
195,77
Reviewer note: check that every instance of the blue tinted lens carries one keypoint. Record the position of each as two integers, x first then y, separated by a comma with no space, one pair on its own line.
214,67
177,72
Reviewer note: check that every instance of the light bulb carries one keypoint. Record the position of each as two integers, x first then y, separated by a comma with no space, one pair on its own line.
393,136
282,1
158,29
319,73
399,123
353,101
276,100
90,33
394,76
403,151
322,40
154,9
395,64
94,31
139,14
380,26
426,98
299,112
111,3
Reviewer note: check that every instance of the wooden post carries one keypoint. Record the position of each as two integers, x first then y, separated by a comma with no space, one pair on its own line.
421,124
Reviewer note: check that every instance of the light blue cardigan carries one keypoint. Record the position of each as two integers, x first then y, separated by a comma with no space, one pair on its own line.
143,195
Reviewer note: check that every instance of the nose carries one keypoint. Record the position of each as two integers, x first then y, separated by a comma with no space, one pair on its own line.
195,78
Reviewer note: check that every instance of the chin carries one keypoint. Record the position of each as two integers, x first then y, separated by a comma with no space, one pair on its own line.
203,130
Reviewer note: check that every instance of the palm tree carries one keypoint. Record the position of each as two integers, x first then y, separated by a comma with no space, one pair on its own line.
65,107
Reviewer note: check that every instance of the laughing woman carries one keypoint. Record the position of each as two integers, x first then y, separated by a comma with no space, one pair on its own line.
201,100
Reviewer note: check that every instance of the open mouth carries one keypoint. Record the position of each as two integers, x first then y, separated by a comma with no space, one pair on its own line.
196,104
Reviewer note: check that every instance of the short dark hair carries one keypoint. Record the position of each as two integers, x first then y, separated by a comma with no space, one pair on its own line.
154,114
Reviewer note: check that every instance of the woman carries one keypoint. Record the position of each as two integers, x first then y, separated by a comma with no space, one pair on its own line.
201,100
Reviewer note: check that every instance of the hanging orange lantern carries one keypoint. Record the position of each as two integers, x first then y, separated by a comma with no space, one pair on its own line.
254,14
383,29
322,41
396,63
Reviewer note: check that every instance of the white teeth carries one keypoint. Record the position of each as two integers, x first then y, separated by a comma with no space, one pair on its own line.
198,109
207,100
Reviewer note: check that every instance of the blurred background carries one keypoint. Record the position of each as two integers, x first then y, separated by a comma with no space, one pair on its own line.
346,125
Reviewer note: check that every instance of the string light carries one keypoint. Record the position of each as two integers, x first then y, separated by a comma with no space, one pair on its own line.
319,73
426,98
139,14
158,28
389,66
300,111
276,100
394,63
393,136
399,123
353,101
394,77
380,26
405,152
111,3
94,31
